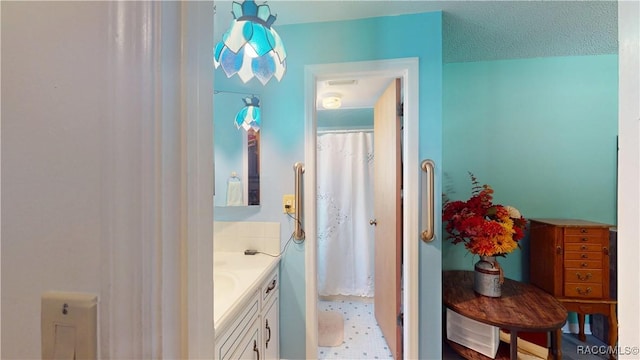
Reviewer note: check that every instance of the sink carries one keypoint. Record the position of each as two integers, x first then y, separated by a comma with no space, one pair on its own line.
223,282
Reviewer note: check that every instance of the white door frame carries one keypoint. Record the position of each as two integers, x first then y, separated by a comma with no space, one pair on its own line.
407,69
197,113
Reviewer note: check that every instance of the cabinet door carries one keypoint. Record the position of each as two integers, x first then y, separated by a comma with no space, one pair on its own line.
249,346
271,330
229,338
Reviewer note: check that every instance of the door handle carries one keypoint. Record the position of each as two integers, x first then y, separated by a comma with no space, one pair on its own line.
298,169
373,222
271,286
428,234
256,350
266,344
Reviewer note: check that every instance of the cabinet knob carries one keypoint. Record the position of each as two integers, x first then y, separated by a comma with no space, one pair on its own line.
584,247
584,264
584,256
584,239
559,250
605,250
584,231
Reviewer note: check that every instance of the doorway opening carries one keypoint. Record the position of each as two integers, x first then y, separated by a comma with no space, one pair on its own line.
352,273
405,71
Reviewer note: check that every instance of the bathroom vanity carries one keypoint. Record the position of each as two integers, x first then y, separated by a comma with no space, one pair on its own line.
246,306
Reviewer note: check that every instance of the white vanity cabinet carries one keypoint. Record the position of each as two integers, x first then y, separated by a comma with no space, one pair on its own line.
254,331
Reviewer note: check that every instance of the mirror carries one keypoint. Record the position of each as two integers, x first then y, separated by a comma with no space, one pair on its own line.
237,154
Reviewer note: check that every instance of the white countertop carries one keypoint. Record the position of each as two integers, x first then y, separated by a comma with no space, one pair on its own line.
236,276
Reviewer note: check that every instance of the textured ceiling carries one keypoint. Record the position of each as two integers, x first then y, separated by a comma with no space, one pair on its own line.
474,30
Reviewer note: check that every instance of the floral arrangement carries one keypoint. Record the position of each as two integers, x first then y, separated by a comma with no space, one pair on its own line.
486,229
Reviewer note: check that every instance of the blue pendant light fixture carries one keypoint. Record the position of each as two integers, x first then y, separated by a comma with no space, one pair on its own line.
249,116
251,47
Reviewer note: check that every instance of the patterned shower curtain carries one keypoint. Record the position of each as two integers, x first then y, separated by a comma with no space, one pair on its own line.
345,206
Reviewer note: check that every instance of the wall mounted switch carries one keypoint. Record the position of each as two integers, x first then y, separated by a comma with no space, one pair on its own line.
288,204
69,324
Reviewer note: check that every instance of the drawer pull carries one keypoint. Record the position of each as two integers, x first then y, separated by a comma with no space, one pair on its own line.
271,286
584,247
584,264
581,292
605,251
559,250
584,231
583,278
266,344
584,256
255,348
584,239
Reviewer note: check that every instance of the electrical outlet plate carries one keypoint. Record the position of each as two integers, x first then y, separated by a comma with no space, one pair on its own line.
288,204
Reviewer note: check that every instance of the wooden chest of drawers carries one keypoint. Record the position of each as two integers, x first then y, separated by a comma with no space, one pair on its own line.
570,258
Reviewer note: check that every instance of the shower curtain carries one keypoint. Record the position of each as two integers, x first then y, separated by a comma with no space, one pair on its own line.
345,206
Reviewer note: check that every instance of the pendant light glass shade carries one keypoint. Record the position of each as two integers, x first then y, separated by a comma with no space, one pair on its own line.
251,47
249,116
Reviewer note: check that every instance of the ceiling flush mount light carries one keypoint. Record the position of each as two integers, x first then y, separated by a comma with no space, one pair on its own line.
332,101
249,116
251,47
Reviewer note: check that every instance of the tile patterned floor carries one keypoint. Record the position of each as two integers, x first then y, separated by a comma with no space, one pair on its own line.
362,336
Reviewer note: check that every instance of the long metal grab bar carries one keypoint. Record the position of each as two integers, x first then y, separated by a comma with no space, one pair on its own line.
428,234
298,169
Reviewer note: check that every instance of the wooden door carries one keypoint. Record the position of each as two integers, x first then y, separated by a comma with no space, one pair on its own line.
387,184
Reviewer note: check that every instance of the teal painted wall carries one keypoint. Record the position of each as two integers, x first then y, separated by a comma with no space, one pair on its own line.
542,132
282,135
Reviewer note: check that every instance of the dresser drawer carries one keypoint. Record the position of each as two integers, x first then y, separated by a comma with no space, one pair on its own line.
582,255
583,264
587,231
584,290
583,239
588,246
583,276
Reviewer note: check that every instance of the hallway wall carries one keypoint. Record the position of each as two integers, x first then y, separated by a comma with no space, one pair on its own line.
51,173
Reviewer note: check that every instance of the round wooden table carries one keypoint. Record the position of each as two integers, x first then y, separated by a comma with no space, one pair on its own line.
522,307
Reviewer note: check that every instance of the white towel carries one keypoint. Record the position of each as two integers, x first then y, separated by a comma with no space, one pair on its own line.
234,193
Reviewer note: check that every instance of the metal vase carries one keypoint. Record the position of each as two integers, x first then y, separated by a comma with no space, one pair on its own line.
487,279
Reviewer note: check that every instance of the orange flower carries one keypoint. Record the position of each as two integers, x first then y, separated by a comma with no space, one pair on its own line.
485,228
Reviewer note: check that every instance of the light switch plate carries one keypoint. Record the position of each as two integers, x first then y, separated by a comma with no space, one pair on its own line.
77,315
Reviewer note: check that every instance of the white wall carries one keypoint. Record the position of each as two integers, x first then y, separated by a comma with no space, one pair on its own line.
629,176
53,91
97,137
